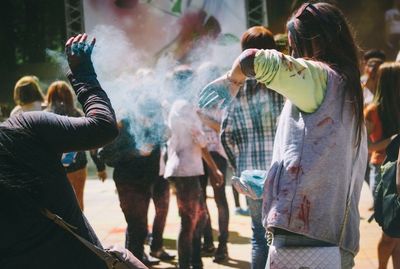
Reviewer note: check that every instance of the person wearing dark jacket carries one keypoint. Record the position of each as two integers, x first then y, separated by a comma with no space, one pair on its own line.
32,177
135,155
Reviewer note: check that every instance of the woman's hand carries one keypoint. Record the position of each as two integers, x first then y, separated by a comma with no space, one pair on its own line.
79,52
217,178
102,175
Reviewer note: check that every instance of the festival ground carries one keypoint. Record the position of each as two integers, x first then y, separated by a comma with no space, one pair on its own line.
104,213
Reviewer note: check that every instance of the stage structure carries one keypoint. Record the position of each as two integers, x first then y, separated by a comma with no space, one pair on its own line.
74,20
256,12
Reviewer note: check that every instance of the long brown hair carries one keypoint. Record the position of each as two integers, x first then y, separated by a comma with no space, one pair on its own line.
387,98
320,31
60,99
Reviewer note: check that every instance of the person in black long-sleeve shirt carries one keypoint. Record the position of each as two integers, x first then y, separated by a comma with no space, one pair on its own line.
135,155
32,176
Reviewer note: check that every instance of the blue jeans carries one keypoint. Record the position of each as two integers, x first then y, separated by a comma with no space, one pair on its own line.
259,247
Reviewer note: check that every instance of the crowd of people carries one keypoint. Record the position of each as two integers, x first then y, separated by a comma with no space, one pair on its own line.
294,105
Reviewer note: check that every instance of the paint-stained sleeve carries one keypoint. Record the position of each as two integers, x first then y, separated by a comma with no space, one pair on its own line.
303,82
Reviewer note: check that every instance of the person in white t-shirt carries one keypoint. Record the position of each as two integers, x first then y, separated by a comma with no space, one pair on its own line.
186,148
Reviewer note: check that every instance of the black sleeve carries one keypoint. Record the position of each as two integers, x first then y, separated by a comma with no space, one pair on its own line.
64,134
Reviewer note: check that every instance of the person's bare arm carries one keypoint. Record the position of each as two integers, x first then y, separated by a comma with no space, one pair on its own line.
381,145
216,177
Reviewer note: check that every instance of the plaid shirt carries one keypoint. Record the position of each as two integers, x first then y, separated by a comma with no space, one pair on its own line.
249,126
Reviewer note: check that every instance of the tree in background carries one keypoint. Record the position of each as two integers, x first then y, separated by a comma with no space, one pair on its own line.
27,28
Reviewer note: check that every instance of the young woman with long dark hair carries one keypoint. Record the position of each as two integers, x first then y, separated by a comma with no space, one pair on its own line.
248,132
313,186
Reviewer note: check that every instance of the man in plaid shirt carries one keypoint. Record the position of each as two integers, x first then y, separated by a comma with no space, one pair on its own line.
248,132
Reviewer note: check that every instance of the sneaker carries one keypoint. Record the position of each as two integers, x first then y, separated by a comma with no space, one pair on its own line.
246,212
242,212
162,255
238,211
221,254
208,249
148,260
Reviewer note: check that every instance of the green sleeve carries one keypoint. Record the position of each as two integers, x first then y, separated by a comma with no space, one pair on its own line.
303,82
